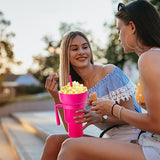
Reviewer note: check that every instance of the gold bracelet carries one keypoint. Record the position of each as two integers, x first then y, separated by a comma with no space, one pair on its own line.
119,112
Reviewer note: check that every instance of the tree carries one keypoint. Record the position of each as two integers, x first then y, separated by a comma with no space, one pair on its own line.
114,52
50,63
6,47
156,4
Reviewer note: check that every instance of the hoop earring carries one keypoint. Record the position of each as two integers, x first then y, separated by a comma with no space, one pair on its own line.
139,48
126,40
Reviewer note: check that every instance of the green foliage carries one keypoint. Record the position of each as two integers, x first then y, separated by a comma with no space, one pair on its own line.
114,53
6,47
47,65
156,3
6,52
66,27
50,64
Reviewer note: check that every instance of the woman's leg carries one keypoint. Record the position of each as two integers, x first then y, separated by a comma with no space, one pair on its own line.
53,146
86,148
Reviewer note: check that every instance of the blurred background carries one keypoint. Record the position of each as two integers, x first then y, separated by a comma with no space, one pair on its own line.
30,36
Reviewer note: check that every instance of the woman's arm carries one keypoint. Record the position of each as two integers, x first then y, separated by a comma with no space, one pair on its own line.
51,85
129,104
114,120
150,75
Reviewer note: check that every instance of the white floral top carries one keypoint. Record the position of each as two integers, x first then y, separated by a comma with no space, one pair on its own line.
115,86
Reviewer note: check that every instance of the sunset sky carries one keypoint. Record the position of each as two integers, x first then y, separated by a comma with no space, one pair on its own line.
33,19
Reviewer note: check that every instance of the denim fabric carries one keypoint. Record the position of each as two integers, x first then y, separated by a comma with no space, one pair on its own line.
116,86
150,143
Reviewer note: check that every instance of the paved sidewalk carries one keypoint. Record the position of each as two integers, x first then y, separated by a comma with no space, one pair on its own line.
41,114
41,105
46,122
37,116
5,148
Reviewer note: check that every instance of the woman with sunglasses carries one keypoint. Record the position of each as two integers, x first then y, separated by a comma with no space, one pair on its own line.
138,24
108,81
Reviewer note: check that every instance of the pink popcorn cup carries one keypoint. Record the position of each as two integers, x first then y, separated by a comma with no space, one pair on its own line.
71,103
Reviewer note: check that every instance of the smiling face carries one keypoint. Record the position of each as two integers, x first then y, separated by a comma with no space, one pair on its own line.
79,52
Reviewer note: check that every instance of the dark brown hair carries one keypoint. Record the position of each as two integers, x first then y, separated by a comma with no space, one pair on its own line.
146,19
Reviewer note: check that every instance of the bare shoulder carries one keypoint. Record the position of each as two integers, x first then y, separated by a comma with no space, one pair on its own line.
149,69
150,75
149,60
150,54
108,68
103,70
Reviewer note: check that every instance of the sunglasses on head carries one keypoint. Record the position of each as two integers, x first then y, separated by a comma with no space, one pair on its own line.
121,7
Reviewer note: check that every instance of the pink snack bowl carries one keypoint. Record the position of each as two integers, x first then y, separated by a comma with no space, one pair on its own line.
71,103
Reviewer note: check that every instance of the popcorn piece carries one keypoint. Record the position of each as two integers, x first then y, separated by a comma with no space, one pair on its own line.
75,89
93,96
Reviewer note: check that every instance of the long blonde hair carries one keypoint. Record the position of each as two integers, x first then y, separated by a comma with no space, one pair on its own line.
65,65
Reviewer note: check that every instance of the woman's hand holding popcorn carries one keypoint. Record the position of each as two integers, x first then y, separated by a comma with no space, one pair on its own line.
103,106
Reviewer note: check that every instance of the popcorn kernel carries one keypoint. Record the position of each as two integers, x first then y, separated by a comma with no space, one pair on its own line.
75,89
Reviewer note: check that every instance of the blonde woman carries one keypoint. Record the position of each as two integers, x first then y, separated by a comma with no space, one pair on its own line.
107,81
138,24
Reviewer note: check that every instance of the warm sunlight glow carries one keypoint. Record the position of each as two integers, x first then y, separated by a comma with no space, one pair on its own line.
35,22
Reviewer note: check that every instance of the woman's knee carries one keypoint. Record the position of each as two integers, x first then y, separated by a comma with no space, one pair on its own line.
51,139
68,149
53,146
54,140
68,143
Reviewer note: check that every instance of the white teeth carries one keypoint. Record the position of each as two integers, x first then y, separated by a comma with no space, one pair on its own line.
82,58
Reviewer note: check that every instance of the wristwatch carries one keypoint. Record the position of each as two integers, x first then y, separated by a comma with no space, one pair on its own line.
104,118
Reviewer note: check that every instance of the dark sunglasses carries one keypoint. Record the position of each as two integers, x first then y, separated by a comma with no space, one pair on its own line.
121,7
